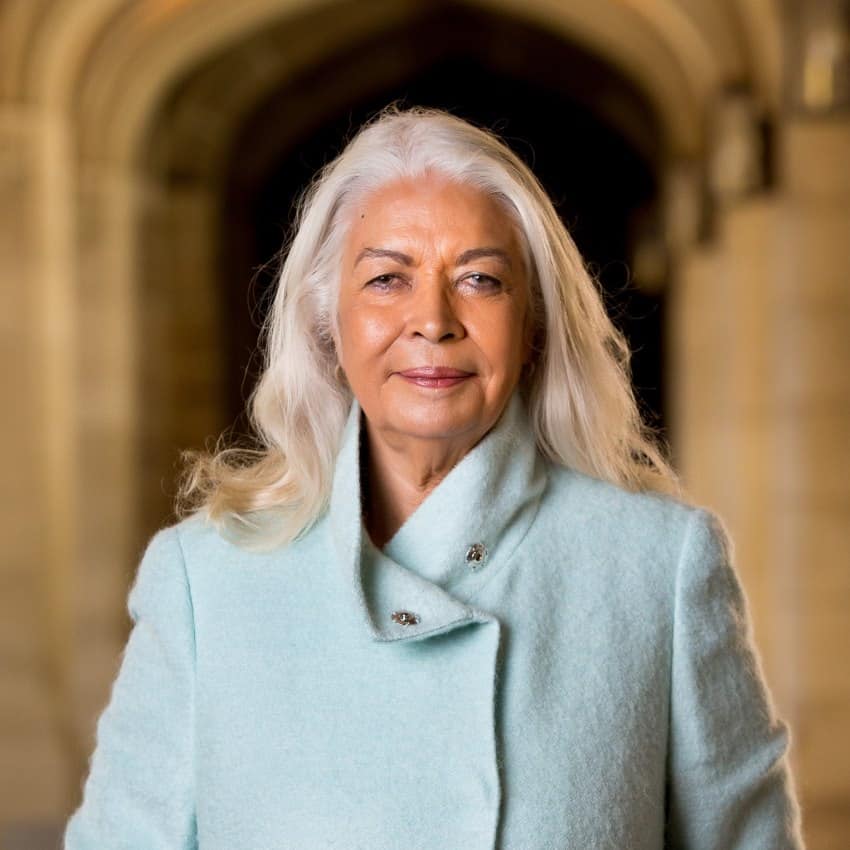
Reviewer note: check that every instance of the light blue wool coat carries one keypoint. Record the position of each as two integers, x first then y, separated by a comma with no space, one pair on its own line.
591,683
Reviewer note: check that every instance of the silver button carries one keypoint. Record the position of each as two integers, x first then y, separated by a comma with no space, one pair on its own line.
476,554
405,618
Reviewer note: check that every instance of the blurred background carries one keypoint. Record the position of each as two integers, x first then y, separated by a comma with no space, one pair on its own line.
150,154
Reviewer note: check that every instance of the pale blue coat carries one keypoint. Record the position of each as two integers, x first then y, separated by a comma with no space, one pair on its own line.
590,684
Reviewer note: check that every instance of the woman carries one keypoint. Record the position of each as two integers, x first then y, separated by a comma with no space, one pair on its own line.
450,602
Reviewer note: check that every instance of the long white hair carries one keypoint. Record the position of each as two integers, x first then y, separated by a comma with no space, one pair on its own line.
577,388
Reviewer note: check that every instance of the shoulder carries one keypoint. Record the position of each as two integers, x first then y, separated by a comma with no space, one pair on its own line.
622,527
199,538
594,503
205,544
164,555
160,585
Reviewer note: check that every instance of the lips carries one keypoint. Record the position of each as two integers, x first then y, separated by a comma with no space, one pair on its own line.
435,377
434,372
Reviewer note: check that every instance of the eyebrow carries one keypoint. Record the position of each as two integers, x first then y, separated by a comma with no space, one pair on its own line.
466,257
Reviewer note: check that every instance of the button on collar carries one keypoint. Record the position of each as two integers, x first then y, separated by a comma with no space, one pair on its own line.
475,555
405,618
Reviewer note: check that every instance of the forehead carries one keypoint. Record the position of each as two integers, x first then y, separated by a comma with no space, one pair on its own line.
430,206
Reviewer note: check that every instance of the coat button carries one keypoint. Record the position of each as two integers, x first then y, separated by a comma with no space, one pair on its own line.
405,618
476,554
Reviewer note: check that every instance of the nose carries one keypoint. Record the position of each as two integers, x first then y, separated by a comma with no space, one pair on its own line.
433,314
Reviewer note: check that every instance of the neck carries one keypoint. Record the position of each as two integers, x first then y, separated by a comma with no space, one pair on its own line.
397,477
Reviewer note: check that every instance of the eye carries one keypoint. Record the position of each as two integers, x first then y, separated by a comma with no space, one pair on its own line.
384,282
482,281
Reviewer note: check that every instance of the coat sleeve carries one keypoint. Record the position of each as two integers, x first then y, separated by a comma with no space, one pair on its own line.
729,783
139,793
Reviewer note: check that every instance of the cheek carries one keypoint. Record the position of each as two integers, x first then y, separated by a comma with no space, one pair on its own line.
500,335
365,333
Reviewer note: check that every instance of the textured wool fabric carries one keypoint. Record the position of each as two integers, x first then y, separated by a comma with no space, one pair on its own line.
591,682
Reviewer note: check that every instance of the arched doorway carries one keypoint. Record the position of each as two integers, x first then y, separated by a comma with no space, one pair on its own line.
130,126
587,132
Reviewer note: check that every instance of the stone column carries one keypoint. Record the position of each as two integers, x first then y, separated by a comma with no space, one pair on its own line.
812,296
761,371
108,537
721,333
36,336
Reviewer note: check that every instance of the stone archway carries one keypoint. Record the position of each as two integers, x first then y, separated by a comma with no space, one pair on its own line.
85,85
458,52
93,124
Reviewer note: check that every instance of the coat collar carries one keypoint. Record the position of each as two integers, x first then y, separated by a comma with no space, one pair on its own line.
460,535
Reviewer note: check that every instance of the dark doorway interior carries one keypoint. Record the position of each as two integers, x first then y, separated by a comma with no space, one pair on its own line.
584,131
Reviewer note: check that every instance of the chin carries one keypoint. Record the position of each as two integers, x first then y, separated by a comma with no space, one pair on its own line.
435,424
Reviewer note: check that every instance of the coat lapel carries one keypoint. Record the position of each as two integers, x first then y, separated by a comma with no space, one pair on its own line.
421,584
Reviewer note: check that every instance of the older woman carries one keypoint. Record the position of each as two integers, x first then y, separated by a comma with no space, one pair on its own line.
452,600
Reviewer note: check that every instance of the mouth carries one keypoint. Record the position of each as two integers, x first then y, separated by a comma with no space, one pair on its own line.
435,376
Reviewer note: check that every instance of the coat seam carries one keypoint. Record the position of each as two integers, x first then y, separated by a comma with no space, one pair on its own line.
684,548
194,719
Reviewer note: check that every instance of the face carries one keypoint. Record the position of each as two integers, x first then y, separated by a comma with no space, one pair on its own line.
433,310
